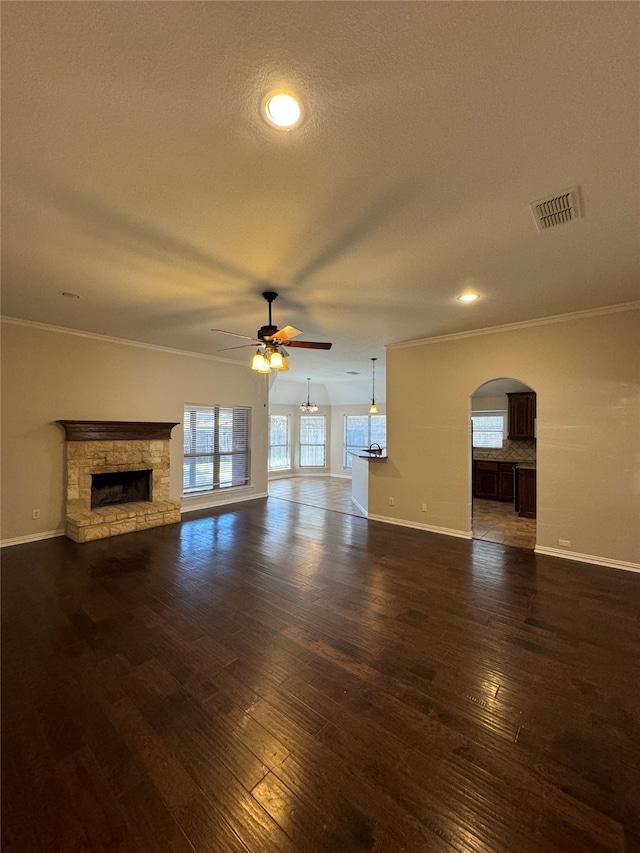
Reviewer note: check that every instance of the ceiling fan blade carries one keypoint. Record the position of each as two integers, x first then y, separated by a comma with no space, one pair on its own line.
309,344
286,333
233,334
240,346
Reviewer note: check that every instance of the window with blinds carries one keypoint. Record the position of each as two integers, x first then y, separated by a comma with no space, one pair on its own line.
216,447
488,428
279,456
360,431
312,441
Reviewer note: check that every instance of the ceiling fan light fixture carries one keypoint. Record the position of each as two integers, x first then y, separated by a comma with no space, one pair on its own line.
282,110
260,363
275,360
271,354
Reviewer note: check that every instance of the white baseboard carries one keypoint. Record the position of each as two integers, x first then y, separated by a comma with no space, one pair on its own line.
34,537
587,558
207,503
430,528
290,474
360,507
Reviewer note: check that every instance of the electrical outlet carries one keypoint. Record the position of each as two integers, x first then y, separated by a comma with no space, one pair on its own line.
392,501
35,514
424,507
564,543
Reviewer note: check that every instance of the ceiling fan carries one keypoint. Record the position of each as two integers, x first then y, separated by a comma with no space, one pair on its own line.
271,354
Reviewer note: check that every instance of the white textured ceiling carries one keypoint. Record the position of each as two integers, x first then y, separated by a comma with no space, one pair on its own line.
138,173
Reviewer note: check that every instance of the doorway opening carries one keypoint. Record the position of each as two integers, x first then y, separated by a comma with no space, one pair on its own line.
503,463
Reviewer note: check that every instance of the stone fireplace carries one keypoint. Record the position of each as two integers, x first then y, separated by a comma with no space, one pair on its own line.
117,478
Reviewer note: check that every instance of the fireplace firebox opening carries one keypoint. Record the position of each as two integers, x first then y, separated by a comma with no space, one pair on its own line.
120,487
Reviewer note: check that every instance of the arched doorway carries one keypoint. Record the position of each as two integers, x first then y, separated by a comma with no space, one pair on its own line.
503,462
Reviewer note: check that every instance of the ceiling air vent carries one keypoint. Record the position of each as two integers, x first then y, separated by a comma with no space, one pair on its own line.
557,209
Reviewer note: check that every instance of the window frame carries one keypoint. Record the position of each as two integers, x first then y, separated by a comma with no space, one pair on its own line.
348,449
221,456
303,444
287,467
489,413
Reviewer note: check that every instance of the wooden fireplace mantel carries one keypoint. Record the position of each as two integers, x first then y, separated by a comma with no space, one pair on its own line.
117,430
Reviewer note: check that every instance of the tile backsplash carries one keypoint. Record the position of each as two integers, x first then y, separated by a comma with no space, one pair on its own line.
512,451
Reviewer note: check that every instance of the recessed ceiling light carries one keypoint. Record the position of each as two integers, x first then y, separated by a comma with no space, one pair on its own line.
70,295
468,297
282,110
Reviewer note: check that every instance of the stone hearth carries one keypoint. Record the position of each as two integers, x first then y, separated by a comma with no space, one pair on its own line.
102,447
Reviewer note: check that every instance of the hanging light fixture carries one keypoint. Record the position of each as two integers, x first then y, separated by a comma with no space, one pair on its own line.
308,407
373,410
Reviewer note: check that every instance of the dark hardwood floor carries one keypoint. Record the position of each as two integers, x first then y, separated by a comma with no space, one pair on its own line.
277,677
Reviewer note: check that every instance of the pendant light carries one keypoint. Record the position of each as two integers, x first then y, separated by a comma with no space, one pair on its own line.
373,410
308,407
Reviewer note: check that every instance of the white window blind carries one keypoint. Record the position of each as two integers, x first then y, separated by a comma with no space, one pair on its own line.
312,441
216,447
488,428
279,455
362,430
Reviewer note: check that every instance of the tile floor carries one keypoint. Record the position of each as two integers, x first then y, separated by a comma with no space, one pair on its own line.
493,521
326,492
496,521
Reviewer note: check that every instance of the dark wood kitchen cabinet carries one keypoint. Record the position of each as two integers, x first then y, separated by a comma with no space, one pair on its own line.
493,480
485,480
505,481
521,415
526,492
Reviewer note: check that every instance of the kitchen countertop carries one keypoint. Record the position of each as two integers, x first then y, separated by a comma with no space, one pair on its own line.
368,455
527,465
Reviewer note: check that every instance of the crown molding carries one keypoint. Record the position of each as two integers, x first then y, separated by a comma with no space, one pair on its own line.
524,324
15,321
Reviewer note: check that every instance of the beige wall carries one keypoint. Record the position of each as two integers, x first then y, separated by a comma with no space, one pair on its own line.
586,374
48,375
490,404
